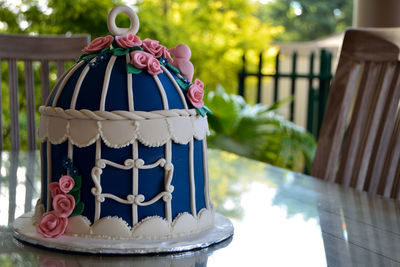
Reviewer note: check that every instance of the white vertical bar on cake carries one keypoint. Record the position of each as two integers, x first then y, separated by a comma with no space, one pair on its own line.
79,83
61,87
168,151
191,179
97,202
106,82
206,182
168,158
48,151
178,89
135,149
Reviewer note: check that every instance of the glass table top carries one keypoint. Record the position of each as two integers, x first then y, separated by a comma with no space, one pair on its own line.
280,218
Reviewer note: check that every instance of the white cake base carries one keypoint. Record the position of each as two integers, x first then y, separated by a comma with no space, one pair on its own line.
24,230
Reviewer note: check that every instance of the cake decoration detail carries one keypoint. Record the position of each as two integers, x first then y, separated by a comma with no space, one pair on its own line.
66,202
136,127
182,62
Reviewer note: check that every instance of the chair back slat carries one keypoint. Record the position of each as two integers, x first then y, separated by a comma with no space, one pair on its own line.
23,47
30,105
45,81
14,104
30,49
60,68
331,135
359,143
377,173
391,164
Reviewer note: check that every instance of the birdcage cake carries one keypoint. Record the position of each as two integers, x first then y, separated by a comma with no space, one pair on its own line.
123,146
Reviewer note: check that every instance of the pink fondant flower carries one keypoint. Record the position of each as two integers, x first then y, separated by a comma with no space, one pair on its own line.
129,40
55,189
196,93
51,225
153,66
154,48
140,59
98,44
63,205
144,60
66,183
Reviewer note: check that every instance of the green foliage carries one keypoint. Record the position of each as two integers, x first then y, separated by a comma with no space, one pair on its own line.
258,132
306,20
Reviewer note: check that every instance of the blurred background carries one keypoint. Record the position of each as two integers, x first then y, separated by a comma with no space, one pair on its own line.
266,64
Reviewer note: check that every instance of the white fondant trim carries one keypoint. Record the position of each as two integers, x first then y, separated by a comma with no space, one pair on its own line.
150,228
129,87
79,83
191,177
135,182
42,177
106,82
39,211
167,178
206,179
178,89
162,91
150,132
65,80
114,115
131,199
59,80
48,149
97,157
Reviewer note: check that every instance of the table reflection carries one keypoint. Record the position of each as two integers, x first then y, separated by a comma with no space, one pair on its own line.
281,219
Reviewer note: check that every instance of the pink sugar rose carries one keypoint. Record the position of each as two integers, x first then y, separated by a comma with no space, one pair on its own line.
98,44
199,83
63,205
140,59
196,93
55,189
127,41
51,225
66,183
153,66
154,48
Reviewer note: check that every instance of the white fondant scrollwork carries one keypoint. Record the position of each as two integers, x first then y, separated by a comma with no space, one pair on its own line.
138,199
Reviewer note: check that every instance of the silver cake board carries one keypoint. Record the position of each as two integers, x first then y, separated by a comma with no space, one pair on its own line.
25,231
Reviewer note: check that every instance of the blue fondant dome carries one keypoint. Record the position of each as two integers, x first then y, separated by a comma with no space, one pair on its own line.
145,93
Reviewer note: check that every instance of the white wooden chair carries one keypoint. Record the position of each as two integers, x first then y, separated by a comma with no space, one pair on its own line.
26,48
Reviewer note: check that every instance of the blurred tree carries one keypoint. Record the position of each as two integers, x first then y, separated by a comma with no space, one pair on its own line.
306,20
216,31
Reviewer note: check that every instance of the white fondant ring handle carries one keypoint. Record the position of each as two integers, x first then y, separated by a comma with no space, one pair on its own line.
113,29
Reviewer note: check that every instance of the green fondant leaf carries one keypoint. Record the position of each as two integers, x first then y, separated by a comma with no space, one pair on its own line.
81,57
132,69
201,111
207,109
182,84
173,68
135,48
76,195
120,51
78,183
88,57
105,50
78,209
